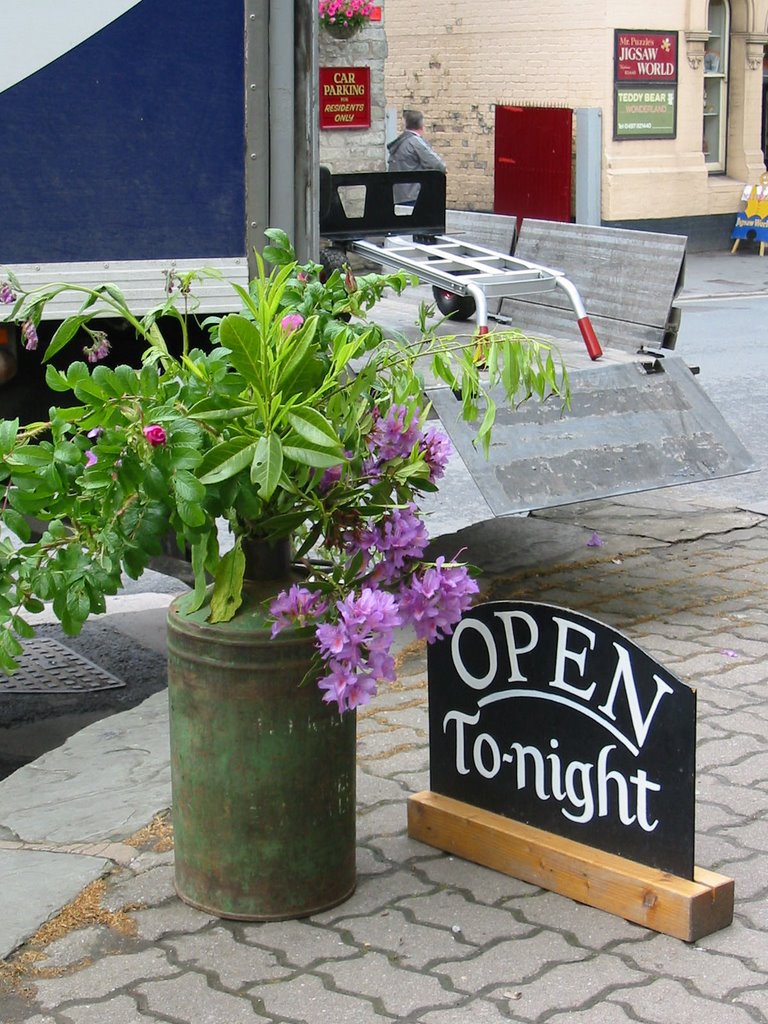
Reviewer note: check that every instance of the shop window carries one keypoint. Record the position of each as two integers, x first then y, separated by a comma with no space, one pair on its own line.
716,85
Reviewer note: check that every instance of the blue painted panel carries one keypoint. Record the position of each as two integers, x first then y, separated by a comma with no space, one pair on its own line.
130,146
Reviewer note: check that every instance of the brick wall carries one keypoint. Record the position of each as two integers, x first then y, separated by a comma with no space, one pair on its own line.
458,59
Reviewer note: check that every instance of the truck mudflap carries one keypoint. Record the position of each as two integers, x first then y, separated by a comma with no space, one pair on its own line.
633,425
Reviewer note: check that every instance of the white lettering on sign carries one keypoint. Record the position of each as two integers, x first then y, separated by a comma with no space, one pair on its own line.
584,790
505,650
570,675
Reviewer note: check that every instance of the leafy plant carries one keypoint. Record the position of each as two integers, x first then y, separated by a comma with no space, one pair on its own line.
299,422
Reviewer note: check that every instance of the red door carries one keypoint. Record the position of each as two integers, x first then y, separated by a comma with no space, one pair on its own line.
532,162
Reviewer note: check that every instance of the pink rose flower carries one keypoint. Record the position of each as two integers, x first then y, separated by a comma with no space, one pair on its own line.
155,434
291,322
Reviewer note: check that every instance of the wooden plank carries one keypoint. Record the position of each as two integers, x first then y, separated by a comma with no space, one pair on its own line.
549,313
494,231
620,274
662,902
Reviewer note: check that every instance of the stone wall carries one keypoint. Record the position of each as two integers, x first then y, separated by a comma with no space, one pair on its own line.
357,149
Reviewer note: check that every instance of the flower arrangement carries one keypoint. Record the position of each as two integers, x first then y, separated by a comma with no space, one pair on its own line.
344,13
298,422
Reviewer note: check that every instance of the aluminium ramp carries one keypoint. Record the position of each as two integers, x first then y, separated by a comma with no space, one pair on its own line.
632,426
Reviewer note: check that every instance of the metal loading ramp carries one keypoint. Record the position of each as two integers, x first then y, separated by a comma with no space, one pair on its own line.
632,426
639,419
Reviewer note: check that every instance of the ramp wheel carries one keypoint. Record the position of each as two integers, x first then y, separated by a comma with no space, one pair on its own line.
458,307
332,258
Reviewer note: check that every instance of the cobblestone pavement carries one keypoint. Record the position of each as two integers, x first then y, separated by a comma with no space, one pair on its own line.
427,937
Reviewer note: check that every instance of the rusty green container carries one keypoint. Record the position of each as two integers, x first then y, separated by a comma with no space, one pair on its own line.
263,772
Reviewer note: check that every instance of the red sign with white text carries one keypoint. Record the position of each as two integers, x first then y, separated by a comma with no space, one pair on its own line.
345,97
645,56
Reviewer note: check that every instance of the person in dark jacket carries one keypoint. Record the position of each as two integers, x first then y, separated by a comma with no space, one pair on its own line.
410,151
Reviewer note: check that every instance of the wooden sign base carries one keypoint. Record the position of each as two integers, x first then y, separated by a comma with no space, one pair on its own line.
665,903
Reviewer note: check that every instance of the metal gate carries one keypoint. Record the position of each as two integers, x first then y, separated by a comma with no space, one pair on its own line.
533,162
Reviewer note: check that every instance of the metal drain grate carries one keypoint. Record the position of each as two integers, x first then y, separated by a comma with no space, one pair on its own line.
46,666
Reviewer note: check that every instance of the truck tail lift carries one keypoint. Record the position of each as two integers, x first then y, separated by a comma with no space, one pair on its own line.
639,419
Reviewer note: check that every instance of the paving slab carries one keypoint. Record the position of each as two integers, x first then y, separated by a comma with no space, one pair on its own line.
429,937
36,886
105,783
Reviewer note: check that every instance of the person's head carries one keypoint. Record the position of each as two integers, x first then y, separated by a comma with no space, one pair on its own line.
414,120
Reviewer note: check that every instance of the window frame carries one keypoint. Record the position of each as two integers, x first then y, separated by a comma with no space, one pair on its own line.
716,86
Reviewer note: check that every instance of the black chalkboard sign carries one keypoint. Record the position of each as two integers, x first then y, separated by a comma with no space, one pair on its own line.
559,721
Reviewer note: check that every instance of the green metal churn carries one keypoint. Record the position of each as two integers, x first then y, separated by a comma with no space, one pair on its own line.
263,772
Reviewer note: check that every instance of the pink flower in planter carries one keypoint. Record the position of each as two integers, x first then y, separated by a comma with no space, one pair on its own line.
292,322
155,434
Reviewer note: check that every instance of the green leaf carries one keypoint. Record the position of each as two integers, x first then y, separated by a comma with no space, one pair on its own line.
114,292
308,456
154,483
196,598
68,454
191,513
32,455
56,380
226,460
267,465
227,594
243,339
212,415
22,627
8,431
190,496
484,433
314,427
78,602
280,251
89,392
64,334
188,487
77,372
17,524
9,644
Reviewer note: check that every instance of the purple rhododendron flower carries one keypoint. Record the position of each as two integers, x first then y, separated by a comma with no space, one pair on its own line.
296,606
391,437
356,649
292,322
349,689
155,434
29,334
401,537
329,479
434,601
437,449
